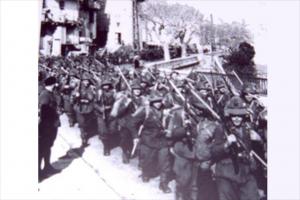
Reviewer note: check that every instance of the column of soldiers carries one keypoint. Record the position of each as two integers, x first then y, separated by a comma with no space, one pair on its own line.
211,142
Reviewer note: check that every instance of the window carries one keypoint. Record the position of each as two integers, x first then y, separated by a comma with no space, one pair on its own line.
62,4
44,3
91,16
119,38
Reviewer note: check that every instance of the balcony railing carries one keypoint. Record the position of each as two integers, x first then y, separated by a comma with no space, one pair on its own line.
60,19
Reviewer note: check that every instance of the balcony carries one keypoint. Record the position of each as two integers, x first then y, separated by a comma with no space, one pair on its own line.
59,19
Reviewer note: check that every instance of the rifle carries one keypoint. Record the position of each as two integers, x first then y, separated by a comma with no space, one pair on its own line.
95,74
136,144
124,78
188,111
227,80
239,144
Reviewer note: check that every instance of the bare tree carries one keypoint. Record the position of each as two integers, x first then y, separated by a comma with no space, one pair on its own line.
171,23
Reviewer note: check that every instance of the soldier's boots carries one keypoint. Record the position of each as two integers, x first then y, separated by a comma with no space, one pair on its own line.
145,179
164,187
178,196
125,157
71,124
84,139
106,151
84,142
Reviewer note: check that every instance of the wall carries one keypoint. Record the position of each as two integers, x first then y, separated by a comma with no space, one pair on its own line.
119,11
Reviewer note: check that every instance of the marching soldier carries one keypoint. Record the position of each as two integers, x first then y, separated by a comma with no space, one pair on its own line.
230,150
154,152
67,91
257,122
123,108
48,125
192,133
84,106
222,95
107,126
254,106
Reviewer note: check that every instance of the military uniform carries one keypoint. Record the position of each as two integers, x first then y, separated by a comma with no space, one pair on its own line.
192,154
221,96
125,106
234,184
107,125
254,108
67,98
155,157
84,109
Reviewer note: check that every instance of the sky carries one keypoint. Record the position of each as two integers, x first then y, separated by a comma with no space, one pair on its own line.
255,13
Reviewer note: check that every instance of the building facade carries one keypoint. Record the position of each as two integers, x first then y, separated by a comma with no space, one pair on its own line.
124,26
70,26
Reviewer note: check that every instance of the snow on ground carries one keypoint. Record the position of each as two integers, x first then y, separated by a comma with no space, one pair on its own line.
94,173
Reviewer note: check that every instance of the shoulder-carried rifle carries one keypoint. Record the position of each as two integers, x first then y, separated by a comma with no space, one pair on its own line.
239,144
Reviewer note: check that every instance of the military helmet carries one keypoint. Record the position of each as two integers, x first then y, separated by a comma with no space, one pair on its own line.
136,85
74,72
235,106
106,82
145,80
220,84
202,85
86,76
125,72
248,89
155,97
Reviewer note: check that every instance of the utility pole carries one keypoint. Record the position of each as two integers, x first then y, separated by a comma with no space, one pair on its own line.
212,39
136,28
212,35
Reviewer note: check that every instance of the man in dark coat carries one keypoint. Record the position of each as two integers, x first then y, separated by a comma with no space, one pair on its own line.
48,125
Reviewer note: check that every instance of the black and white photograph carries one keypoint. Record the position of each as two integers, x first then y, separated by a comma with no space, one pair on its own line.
152,93
153,99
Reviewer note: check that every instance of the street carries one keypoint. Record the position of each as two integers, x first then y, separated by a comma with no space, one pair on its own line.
88,171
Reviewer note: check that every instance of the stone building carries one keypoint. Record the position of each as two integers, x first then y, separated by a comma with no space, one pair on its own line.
72,26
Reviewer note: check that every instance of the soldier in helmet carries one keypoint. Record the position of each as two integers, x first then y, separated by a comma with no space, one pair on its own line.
68,88
107,126
203,88
222,95
234,164
122,110
84,106
254,106
154,153
146,85
172,98
191,130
